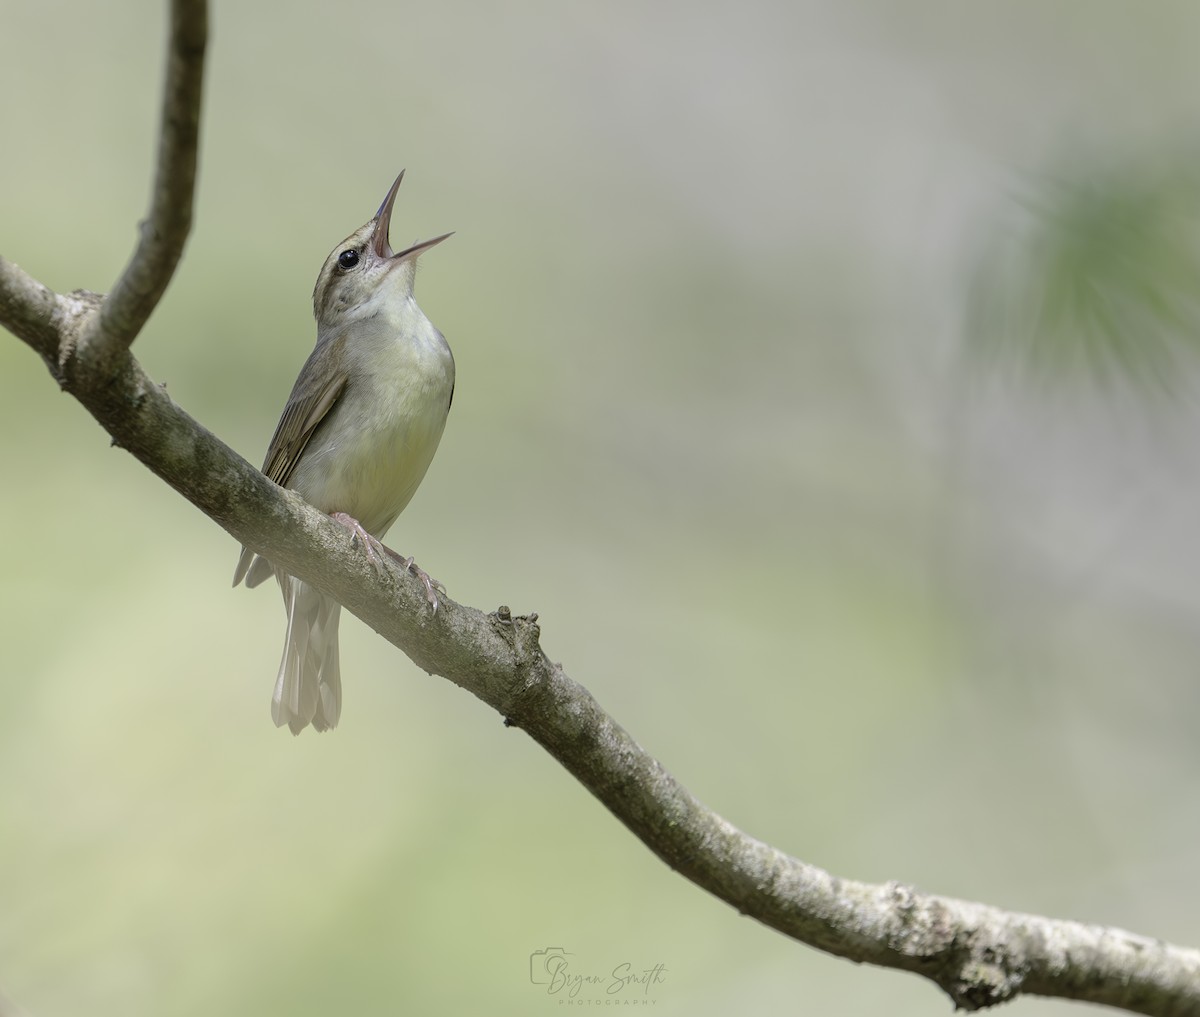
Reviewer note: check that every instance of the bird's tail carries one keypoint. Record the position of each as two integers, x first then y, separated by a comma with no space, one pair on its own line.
309,687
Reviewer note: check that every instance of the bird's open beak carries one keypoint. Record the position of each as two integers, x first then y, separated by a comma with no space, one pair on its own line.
383,220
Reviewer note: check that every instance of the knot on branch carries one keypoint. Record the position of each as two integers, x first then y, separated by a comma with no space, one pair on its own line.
74,316
521,633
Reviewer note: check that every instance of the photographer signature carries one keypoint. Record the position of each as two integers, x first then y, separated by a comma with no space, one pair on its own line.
552,968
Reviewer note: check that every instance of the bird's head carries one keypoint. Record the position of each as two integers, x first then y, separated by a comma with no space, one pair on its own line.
363,274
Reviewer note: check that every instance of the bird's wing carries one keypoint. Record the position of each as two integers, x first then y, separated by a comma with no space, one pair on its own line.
317,389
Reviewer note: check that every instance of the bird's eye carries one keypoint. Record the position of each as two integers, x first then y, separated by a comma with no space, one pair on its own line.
348,259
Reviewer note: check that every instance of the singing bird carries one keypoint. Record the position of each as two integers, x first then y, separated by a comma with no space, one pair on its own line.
356,437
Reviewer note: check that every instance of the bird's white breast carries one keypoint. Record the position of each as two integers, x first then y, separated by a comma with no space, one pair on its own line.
370,454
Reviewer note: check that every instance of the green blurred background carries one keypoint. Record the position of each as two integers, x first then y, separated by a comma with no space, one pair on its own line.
718,271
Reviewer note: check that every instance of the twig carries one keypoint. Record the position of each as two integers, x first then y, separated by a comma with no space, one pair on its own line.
141,285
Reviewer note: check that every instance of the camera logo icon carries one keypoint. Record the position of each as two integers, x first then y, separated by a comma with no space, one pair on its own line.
545,964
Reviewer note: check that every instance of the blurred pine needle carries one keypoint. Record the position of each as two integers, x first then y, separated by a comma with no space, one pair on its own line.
1094,276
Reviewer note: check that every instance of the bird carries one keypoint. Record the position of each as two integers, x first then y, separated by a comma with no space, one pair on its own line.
356,437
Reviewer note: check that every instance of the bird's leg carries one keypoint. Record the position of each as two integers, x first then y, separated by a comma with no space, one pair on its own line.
375,548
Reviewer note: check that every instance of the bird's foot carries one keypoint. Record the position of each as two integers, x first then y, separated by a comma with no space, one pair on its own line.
376,549
432,586
359,535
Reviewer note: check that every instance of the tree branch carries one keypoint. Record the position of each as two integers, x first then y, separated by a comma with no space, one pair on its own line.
978,954
162,236
28,309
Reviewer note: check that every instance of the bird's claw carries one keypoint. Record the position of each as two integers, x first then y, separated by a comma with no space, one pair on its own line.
432,586
375,549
